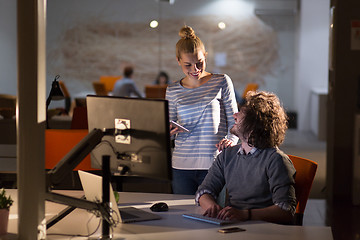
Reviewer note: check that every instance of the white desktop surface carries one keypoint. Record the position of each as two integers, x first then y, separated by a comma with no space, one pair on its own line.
172,225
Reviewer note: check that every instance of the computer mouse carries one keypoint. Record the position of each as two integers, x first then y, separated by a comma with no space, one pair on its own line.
159,207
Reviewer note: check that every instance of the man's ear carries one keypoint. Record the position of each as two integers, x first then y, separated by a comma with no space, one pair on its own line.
178,60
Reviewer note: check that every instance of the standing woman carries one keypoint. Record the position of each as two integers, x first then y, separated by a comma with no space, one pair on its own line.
203,103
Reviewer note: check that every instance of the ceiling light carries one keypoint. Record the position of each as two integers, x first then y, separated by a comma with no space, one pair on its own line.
221,25
154,24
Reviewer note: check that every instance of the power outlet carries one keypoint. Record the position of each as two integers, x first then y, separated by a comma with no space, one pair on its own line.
122,124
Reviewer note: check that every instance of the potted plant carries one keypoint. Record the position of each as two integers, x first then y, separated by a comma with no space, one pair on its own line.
5,204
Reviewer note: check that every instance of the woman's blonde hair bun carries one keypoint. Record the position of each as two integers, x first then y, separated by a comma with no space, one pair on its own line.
188,42
187,32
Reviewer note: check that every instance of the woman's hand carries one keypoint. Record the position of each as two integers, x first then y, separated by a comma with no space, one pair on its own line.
230,213
224,143
175,130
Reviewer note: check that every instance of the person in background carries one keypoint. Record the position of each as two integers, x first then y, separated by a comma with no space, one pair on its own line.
126,87
162,78
204,103
258,176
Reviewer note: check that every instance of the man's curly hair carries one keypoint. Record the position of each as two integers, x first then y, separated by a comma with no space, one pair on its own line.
265,121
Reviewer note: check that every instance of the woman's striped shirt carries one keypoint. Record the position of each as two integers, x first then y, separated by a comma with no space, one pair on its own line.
207,111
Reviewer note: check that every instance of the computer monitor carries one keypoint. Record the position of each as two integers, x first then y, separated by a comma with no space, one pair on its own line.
141,146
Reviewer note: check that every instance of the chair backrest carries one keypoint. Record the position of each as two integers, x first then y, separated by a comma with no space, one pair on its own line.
99,88
155,91
7,105
64,89
109,82
250,87
79,118
305,174
7,101
58,142
66,95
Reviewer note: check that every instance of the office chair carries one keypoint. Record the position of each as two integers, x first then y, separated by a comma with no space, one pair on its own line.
7,101
7,105
305,174
109,82
250,87
58,142
99,88
155,91
66,96
79,118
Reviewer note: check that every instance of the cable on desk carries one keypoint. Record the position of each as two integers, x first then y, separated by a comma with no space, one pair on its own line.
78,235
112,221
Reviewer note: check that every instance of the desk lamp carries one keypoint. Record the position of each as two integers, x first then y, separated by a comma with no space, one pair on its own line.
55,94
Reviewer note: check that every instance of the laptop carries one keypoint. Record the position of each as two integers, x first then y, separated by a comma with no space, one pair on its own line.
92,186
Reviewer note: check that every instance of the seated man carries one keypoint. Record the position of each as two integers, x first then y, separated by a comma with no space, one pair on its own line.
126,87
258,176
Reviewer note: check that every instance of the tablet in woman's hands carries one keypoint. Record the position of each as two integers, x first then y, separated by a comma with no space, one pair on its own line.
175,124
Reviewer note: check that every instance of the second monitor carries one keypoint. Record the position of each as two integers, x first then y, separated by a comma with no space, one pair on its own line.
141,145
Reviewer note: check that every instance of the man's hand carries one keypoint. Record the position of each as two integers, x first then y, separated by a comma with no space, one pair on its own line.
208,203
212,211
230,213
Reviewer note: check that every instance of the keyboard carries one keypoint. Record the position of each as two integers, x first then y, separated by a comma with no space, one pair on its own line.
207,219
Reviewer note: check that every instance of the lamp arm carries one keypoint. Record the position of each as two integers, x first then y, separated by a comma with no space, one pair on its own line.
48,100
79,203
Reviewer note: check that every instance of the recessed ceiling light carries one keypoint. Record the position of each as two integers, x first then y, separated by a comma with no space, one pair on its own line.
221,25
154,24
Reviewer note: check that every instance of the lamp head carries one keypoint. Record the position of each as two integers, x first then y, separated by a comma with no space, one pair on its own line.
56,92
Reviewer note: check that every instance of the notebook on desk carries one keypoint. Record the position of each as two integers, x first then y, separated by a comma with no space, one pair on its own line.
92,186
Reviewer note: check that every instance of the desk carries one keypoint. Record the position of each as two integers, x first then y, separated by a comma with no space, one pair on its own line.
172,225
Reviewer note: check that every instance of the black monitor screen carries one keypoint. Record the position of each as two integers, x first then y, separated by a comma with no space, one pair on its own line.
141,145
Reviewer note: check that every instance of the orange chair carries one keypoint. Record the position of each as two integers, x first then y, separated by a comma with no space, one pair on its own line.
100,88
250,87
155,91
305,174
109,82
64,89
58,142
66,95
